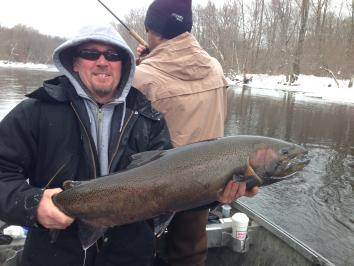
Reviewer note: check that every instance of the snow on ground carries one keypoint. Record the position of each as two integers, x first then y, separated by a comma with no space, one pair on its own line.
307,88
4,63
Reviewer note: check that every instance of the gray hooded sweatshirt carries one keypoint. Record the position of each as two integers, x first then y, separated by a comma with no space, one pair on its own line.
100,117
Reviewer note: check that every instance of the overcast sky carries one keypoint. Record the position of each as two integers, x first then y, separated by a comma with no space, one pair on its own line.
64,17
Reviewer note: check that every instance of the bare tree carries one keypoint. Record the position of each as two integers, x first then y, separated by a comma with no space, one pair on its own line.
351,44
259,33
320,10
300,43
352,23
254,36
25,44
134,20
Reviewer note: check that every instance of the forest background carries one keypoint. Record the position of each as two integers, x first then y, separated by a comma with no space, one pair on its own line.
314,37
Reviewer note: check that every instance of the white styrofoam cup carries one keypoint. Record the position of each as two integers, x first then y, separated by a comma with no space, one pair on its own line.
239,226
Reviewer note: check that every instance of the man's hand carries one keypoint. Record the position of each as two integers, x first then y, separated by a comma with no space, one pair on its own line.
234,190
140,50
49,215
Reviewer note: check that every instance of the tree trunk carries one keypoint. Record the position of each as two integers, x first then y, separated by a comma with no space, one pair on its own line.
351,43
259,37
301,39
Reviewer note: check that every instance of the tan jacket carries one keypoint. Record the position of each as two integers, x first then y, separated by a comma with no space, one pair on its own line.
188,86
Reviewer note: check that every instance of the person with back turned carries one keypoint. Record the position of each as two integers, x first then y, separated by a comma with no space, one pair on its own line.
188,86
79,126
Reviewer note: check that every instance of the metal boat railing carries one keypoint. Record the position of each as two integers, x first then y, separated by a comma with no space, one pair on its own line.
289,239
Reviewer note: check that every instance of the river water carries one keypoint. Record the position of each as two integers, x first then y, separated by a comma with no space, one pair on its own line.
317,205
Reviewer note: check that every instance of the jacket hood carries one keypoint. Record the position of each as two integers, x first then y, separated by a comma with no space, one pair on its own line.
182,57
63,56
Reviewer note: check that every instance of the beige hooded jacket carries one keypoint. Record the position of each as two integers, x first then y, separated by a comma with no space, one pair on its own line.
186,84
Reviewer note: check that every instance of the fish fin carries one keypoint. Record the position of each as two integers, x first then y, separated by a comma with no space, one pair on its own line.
89,234
249,170
207,140
145,157
251,178
161,222
71,183
243,177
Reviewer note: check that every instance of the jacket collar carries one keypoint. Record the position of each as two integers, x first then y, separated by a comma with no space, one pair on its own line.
60,89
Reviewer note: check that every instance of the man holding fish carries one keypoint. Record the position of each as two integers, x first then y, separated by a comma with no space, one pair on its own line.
80,126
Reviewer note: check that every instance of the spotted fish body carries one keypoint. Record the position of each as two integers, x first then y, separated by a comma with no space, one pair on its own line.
160,182
176,179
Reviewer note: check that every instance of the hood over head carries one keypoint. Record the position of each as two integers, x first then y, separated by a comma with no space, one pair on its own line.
63,56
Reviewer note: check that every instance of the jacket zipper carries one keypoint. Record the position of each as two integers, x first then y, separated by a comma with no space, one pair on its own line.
120,138
88,138
98,129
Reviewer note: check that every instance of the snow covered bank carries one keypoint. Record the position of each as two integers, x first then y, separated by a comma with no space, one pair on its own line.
33,66
307,88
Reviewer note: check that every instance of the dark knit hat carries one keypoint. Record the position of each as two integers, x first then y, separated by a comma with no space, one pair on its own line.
169,18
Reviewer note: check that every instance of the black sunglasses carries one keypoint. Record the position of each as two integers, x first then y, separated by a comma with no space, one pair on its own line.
93,55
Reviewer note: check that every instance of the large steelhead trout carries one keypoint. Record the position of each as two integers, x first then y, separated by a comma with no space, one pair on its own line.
162,182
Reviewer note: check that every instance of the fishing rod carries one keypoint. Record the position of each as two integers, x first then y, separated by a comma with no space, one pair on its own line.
131,32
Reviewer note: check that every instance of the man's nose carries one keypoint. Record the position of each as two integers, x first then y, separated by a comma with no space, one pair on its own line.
102,60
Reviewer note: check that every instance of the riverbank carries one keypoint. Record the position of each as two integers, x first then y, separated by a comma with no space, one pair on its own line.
42,67
307,87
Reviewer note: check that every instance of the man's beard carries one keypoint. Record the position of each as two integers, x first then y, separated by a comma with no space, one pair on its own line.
103,91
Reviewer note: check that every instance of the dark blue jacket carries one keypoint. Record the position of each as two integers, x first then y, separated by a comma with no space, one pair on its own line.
46,140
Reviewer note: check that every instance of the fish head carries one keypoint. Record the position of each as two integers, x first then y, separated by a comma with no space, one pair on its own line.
277,161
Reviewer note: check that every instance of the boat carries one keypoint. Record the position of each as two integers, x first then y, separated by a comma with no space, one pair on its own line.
266,244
